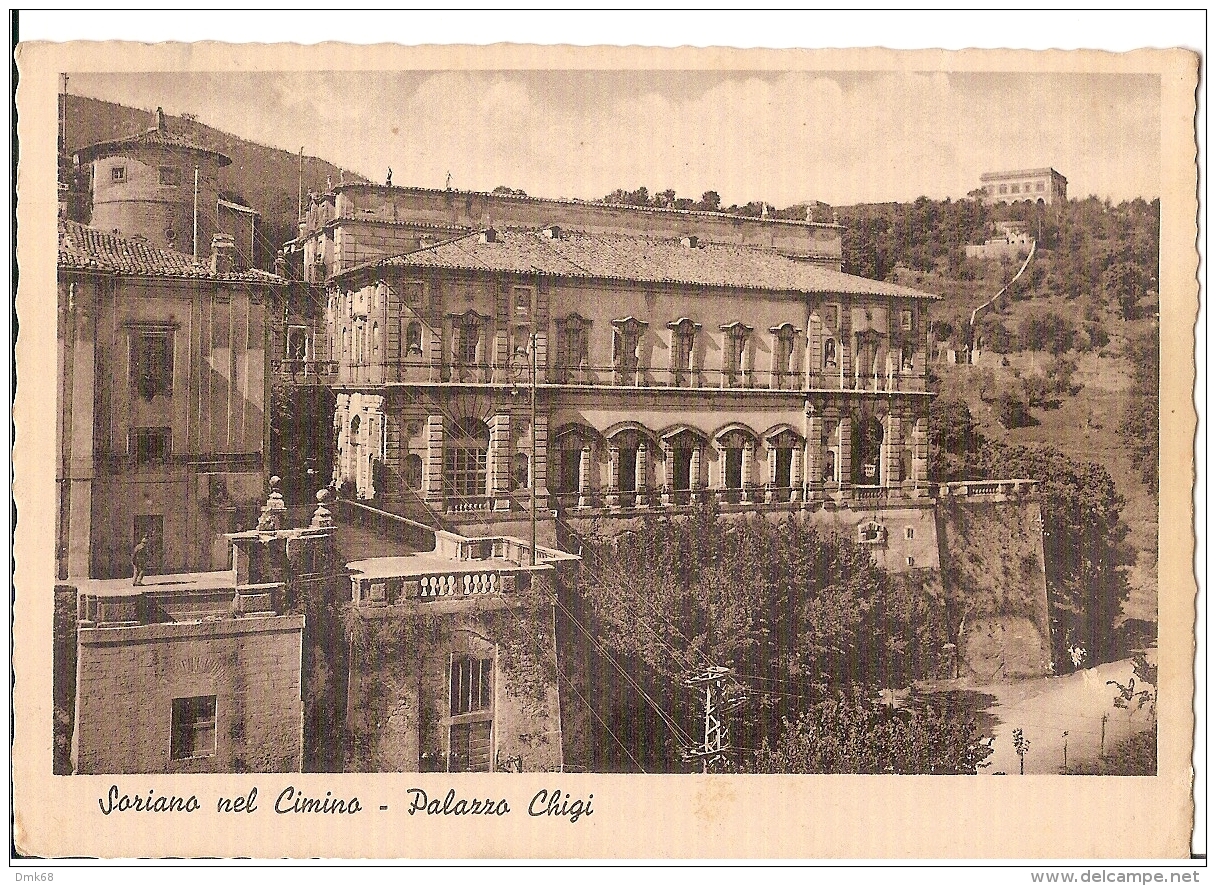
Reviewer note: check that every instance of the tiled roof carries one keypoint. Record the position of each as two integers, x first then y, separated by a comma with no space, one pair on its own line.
642,259
88,249
152,138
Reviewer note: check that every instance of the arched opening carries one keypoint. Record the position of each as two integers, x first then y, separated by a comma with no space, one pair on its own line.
734,447
465,454
683,465
520,471
783,448
866,450
413,339
570,444
413,471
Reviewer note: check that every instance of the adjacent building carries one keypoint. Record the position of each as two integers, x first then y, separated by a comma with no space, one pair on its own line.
162,392
1044,186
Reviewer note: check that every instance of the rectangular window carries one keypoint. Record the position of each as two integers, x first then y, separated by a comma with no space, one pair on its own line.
1039,187
905,320
1014,189
909,533
118,173
471,684
470,749
170,175
1004,189
297,342
466,346
521,298
831,316
193,731
152,363
150,445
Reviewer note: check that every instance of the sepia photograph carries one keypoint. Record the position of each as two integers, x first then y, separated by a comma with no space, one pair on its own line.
607,420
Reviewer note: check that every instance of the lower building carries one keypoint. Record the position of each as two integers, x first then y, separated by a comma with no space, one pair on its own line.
453,661
201,672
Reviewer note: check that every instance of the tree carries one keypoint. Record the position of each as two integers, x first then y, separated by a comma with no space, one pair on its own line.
1140,422
851,733
1012,411
779,604
1124,285
710,201
953,439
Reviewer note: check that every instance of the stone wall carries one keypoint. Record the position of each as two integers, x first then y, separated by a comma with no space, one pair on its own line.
128,677
996,587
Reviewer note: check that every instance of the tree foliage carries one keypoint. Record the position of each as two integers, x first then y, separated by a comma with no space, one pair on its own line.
789,610
852,733
1140,422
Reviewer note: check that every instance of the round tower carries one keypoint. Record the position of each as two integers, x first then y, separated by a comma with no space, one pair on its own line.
144,185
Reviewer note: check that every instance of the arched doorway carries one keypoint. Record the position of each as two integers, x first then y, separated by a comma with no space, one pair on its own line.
867,450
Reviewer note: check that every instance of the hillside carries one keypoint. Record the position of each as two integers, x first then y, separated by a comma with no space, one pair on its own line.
260,176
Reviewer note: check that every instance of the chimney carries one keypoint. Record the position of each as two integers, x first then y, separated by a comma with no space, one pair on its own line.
223,254
689,241
489,235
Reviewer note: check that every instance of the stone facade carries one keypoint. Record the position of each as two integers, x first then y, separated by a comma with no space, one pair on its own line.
162,419
1040,185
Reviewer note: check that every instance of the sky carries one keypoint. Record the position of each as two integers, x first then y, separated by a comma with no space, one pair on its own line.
782,137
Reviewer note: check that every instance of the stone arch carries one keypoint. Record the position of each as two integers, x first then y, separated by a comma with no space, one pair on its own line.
573,450
866,448
735,443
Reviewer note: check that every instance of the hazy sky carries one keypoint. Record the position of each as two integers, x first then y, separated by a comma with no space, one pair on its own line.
782,137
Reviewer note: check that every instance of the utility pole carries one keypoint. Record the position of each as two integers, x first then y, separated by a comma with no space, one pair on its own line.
196,212
300,189
716,742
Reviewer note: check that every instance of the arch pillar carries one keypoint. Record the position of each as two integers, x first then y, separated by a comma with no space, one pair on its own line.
432,474
749,455
500,456
892,445
613,496
584,477
694,473
641,497
814,454
844,466
665,474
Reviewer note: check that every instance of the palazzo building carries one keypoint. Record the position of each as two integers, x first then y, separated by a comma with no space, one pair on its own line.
671,366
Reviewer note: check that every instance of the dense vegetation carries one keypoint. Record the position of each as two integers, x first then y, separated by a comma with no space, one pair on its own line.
809,625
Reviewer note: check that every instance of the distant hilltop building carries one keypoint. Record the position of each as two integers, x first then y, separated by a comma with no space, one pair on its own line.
1041,185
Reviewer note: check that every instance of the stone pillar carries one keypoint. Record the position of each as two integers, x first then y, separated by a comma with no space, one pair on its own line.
920,452
641,499
540,470
584,477
745,474
814,454
721,484
694,474
501,361
796,458
844,466
435,356
432,475
892,446
665,474
614,475
79,400
499,455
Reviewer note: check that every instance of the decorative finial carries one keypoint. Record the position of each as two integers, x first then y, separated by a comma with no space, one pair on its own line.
448,185
388,179
271,519
321,517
